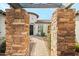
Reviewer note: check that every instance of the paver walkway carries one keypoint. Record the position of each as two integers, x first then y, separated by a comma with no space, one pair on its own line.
39,48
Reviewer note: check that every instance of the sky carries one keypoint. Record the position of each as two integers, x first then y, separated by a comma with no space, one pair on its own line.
76,6
44,13
4,6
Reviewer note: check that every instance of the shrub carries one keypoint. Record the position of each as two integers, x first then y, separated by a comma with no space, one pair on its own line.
3,47
42,34
77,48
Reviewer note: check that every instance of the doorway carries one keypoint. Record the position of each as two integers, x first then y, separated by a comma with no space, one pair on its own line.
31,29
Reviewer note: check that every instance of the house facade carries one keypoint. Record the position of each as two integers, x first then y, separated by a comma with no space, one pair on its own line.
42,27
38,27
33,26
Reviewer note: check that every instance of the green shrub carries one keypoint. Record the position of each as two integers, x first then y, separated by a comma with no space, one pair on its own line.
3,38
3,47
42,34
77,48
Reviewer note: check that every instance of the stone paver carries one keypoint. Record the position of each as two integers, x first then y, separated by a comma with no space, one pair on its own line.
40,48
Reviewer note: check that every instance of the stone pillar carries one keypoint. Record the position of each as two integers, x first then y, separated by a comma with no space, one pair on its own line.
54,35
49,39
63,32
17,32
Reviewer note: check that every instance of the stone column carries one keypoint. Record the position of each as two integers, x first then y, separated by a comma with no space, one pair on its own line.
49,39
17,32
63,32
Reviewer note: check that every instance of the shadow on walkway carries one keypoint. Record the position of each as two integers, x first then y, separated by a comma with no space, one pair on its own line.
32,46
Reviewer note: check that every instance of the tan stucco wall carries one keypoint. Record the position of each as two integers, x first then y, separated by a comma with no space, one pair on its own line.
2,26
45,28
33,19
77,28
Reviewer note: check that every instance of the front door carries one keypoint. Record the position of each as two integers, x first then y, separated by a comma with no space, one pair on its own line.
31,29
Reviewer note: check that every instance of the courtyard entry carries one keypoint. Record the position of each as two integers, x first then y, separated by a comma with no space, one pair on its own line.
34,32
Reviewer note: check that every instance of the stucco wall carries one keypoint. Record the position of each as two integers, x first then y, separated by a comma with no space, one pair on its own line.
77,28
33,19
2,26
45,27
35,29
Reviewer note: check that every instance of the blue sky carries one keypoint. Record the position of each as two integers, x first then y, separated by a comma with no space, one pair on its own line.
44,13
4,6
76,5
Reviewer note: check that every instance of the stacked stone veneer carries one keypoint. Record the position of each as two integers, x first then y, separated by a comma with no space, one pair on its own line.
49,38
17,32
63,32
